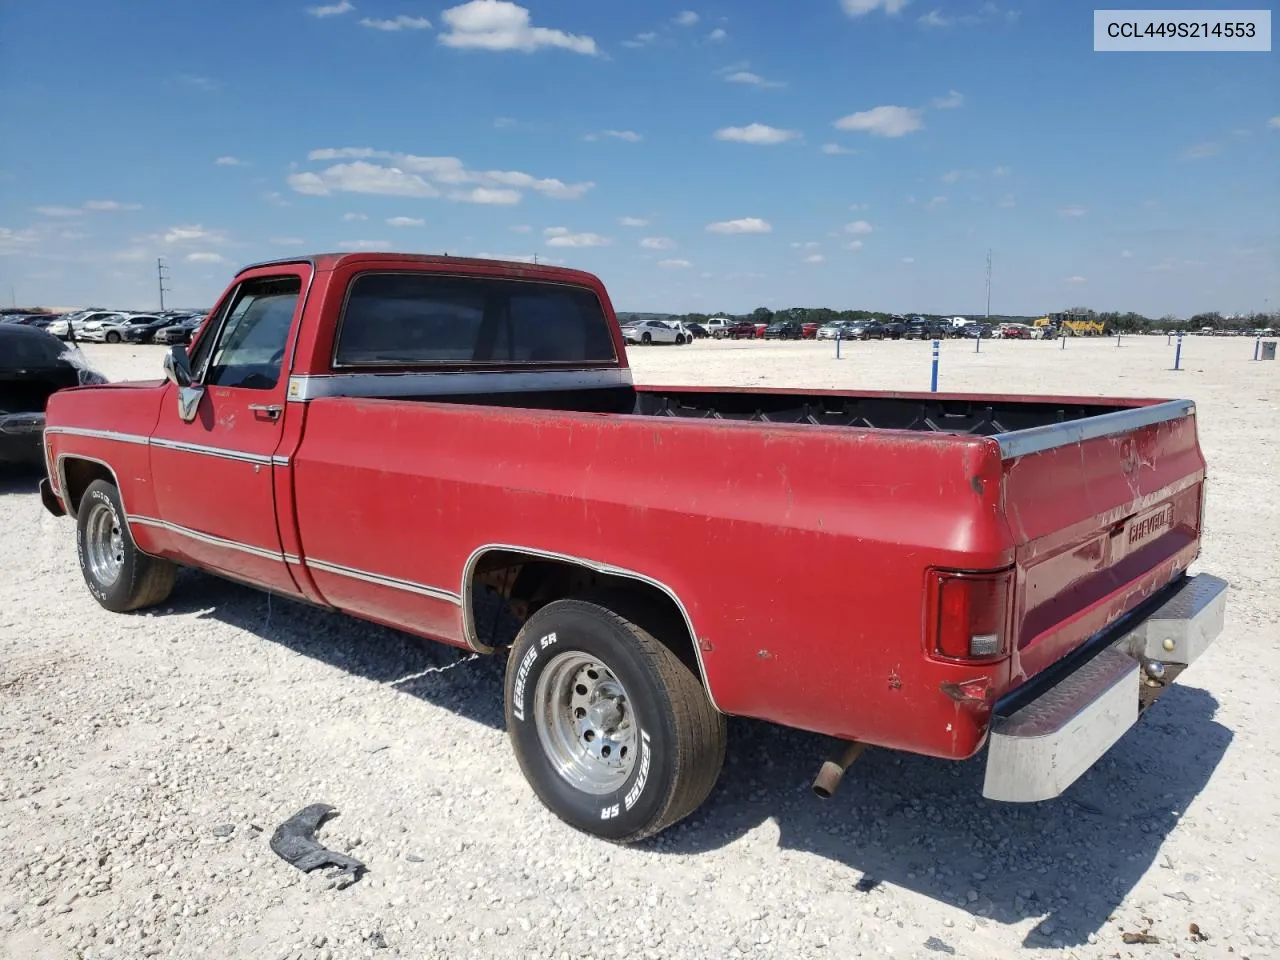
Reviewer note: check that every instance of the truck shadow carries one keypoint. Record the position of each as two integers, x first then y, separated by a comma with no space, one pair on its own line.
913,822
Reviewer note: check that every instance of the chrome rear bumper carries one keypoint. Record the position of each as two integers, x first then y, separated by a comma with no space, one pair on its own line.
1041,748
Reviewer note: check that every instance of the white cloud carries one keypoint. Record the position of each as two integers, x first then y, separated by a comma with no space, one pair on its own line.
685,18
744,225
753,79
854,245
633,222
1072,211
1000,171
502,25
521,228
187,233
1076,279
658,243
934,18
561,237
955,176
230,162
757,133
402,22
858,8
835,150
332,9
410,176
1274,122
362,177
717,34
494,196
205,258
59,211
908,259
935,203
858,227
797,245
815,258
676,263
640,40
1198,151
15,241
628,135
1008,201
1126,254
111,205
287,241
364,245
349,217
405,221
887,121
951,101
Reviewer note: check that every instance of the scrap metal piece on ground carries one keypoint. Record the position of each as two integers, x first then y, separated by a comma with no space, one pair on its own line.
294,841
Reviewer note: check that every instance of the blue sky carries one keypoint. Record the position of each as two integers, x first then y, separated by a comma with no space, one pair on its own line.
697,156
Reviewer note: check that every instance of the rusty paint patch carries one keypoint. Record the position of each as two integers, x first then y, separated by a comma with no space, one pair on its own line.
895,681
764,654
978,486
705,645
968,691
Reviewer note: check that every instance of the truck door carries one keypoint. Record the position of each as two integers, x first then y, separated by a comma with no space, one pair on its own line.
213,462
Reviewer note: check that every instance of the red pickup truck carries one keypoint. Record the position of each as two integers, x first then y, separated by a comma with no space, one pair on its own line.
411,439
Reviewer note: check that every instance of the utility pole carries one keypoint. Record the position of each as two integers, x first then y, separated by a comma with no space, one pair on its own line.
162,277
988,283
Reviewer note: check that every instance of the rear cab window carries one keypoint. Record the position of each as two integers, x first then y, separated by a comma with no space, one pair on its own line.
425,319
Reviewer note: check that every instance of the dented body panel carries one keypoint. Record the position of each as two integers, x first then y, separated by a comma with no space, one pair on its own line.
379,492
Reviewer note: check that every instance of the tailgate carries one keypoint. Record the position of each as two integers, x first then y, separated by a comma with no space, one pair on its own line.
1103,512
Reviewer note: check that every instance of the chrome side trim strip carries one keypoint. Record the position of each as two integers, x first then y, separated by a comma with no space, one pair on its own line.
223,452
1020,443
99,435
292,558
468,618
207,538
313,386
62,481
279,461
435,593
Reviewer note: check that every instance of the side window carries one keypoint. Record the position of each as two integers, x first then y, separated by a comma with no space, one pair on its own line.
249,351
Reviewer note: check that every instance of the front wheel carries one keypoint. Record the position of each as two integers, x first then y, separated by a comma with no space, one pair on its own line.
646,339
679,339
614,732
119,575
113,337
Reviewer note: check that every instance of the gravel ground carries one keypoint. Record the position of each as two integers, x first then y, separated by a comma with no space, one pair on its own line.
145,760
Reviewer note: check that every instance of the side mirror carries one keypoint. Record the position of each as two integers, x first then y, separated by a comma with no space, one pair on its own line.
177,370
177,366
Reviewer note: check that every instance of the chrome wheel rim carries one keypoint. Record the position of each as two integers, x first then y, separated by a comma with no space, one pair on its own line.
104,544
585,723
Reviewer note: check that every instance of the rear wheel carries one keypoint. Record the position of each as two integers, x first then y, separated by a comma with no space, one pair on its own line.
614,732
646,338
112,337
119,575
679,339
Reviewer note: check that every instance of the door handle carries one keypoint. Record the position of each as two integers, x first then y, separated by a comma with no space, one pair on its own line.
272,411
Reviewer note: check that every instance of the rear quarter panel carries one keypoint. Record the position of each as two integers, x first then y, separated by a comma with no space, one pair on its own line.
799,552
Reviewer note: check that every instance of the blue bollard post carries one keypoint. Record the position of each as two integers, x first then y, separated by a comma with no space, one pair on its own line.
977,343
937,346
1117,339
837,344
1177,355
1257,347
1063,338
1168,339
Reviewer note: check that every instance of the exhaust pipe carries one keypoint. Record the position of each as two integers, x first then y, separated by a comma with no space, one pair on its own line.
833,768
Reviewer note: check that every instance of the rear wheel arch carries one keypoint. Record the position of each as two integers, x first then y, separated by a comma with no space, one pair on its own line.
528,579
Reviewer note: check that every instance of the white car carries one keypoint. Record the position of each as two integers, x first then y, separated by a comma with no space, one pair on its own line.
652,331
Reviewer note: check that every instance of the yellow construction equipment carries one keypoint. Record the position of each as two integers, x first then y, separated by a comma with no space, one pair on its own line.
1076,324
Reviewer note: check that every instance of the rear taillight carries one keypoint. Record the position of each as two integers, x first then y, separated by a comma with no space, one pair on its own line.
968,615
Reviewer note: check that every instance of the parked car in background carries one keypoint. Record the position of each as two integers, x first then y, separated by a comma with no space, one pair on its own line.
33,364
1016,331
865,330
717,326
893,329
134,328
973,331
740,330
921,329
180,332
652,331
698,330
809,331
786,330
838,329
